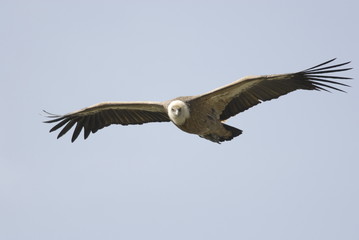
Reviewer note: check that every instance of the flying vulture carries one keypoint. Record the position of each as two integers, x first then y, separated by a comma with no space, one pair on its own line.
203,114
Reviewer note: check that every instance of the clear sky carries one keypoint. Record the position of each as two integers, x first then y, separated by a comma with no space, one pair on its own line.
293,174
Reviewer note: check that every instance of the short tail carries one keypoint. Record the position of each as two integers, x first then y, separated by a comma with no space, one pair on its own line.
235,132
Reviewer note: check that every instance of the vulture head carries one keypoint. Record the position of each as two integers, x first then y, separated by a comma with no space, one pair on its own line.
178,112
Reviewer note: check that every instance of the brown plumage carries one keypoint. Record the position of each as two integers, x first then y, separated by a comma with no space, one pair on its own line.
203,114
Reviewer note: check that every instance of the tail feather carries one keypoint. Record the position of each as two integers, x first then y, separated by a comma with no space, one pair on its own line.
218,138
235,131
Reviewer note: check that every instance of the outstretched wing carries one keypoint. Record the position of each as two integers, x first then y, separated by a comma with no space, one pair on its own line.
101,115
250,91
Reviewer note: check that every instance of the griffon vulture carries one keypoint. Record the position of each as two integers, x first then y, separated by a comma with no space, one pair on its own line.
202,114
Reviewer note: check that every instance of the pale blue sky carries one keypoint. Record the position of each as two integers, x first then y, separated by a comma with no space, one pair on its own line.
293,174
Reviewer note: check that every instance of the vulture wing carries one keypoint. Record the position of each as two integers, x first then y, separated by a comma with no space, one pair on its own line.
250,91
101,115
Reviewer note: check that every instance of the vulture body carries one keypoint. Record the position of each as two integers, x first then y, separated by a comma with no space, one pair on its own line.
202,114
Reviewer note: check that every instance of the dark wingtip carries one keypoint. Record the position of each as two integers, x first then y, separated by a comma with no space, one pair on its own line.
319,65
319,78
50,115
54,117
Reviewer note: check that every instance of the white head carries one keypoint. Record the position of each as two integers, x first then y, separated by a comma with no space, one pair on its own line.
178,112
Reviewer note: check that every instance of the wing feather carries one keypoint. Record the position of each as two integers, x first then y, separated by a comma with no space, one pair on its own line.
77,130
250,91
101,115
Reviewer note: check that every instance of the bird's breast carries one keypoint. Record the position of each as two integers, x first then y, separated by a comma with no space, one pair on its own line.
199,123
